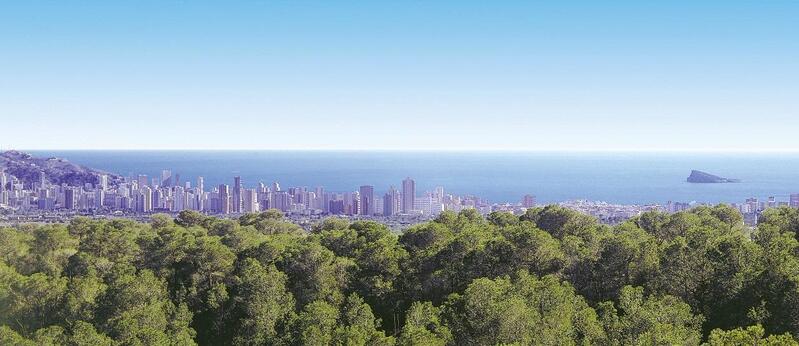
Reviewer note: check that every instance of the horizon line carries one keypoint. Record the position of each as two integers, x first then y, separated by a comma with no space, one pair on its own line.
497,150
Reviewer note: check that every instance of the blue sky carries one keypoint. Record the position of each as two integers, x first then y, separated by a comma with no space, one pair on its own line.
520,75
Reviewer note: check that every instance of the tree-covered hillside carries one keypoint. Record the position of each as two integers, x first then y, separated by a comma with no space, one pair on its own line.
549,277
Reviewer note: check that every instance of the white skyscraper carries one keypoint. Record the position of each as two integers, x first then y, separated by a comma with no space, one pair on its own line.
103,182
224,199
180,200
4,195
250,201
146,200
3,181
439,194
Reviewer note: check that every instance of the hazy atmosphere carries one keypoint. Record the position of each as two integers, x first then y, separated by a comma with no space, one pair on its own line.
413,75
399,173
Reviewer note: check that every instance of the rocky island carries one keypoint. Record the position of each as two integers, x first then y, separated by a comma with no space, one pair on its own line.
699,177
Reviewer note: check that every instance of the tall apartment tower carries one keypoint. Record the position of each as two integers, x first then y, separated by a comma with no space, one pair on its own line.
70,198
237,195
391,202
250,201
794,201
224,199
528,201
146,199
103,182
3,181
166,178
408,195
142,180
367,200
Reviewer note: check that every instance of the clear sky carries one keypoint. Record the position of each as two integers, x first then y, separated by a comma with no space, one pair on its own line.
522,75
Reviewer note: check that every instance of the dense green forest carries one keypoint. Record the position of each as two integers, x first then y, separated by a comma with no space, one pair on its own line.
549,277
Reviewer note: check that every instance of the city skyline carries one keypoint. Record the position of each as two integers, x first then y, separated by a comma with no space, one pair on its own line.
451,172
143,197
575,76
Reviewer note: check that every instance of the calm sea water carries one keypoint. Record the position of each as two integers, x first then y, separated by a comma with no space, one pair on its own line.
497,176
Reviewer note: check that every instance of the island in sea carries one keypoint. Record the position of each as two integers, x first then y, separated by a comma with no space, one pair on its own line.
699,177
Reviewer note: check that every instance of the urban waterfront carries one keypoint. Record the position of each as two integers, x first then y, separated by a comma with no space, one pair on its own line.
614,177
401,202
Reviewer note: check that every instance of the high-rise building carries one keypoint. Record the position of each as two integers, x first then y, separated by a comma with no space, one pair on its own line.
179,204
426,205
528,201
391,202
408,195
99,198
320,202
146,199
200,185
281,200
336,207
439,194
310,200
158,198
166,178
70,198
367,199
224,199
103,182
753,204
350,202
250,201
237,196
794,201
142,180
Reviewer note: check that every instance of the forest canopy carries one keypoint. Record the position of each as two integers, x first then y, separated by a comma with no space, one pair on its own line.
551,276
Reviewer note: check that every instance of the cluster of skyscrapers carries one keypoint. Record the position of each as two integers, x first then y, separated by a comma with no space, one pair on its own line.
167,193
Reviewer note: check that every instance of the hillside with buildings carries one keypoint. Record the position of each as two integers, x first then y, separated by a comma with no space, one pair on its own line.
28,170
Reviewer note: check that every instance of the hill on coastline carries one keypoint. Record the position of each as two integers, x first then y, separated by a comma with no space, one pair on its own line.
29,169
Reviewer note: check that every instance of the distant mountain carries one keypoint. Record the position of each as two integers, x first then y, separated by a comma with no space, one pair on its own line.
700,177
29,169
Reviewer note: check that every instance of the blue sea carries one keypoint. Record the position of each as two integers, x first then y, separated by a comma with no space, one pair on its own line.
628,178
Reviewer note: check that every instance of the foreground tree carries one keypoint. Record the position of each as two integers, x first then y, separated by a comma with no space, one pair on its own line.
264,307
549,276
753,335
525,310
641,320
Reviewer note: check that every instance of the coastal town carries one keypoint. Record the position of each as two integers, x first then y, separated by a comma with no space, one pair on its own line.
39,196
